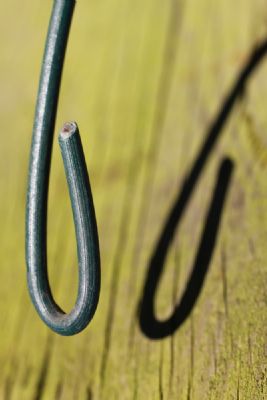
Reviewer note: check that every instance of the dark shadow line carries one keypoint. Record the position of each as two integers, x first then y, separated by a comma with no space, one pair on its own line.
162,94
149,325
162,97
158,329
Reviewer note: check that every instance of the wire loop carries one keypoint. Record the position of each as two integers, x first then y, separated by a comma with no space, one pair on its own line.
79,189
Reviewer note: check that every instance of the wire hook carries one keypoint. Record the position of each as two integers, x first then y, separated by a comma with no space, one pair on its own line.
79,189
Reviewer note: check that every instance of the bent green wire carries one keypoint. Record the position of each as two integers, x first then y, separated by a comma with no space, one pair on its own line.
79,189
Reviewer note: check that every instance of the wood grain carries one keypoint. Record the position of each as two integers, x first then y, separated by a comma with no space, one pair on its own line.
149,79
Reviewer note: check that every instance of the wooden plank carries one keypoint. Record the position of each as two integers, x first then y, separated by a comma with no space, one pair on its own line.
150,81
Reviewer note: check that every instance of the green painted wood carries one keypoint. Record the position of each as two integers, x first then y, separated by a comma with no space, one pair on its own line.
146,81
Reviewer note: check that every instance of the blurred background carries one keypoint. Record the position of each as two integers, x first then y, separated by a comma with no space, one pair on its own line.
147,83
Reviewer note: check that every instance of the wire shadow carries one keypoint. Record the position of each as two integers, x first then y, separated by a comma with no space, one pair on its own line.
149,324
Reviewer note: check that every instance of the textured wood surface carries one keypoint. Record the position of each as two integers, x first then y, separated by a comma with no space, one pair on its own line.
182,226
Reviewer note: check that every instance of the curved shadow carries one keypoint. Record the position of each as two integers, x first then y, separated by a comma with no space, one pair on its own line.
158,329
149,325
